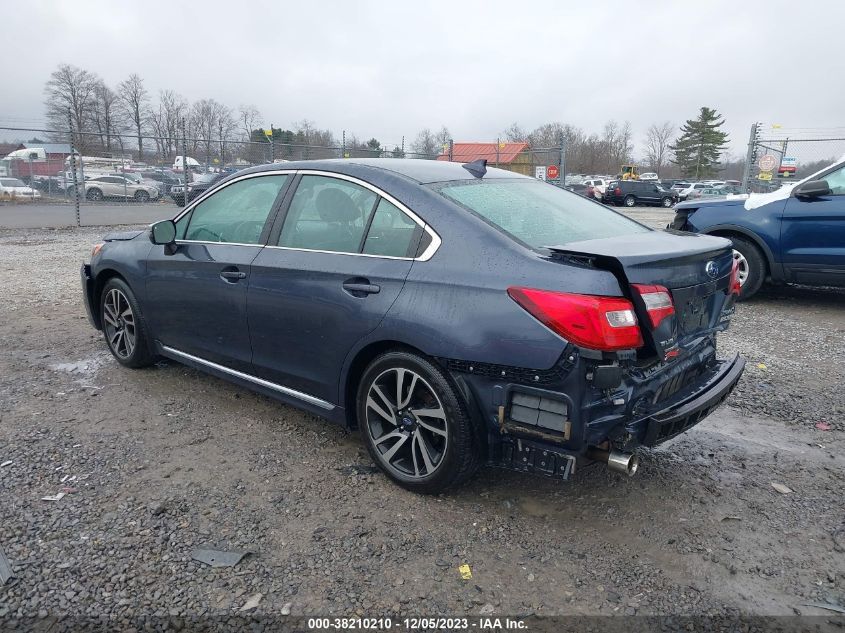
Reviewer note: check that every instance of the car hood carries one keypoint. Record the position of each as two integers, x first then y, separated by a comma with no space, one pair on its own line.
700,203
123,236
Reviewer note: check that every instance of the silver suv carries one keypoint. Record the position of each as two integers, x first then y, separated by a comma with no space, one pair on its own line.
114,186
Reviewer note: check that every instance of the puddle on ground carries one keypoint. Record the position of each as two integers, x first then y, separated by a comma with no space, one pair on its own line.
85,368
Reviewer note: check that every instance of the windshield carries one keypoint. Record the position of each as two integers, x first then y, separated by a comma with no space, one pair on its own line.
536,213
12,182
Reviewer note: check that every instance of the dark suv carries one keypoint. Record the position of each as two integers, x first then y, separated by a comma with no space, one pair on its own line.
632,193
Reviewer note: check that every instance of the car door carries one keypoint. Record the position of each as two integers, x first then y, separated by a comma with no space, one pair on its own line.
197,290
812,237
335,264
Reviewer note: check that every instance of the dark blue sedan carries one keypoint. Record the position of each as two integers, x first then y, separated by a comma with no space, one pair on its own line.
792,235
456,315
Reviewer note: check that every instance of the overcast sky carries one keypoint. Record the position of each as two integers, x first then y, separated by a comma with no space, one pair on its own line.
388,69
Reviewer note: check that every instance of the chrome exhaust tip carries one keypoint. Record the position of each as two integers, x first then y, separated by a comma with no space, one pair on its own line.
620,462
617,461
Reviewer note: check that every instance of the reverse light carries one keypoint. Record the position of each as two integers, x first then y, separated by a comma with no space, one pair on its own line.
734,287
591,321
658,302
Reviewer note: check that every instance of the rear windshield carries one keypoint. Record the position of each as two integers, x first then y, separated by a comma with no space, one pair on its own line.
538,214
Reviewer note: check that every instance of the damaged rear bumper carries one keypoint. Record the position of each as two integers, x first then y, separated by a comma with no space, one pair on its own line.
689,408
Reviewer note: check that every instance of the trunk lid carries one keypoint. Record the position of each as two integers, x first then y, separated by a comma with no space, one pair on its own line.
696,270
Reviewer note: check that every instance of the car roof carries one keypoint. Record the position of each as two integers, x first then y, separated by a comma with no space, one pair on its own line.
421,170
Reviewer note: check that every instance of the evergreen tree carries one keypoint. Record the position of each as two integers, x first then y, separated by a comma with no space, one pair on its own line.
701,143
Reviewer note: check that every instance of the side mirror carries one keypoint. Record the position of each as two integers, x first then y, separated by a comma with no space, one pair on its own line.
812,189
163,232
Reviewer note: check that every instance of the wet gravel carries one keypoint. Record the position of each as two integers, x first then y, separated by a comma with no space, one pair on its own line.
159,462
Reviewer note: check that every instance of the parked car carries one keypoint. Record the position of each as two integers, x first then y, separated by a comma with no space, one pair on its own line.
15,188
165,179
634,192
706,192
363,290
684,189
599,186
116,186
195,188
727,189
649,175
791,235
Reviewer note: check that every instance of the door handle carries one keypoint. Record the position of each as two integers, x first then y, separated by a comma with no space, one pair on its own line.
231,276
361,289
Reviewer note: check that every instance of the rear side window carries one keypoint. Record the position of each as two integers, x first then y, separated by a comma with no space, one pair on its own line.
392,233
236,213
328,214
538,214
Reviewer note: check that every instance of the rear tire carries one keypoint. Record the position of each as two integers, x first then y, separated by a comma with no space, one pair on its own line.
666,202
142,196
751,259
630,201
416,424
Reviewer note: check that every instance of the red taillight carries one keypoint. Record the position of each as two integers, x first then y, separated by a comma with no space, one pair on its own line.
594,322
734,287
658,302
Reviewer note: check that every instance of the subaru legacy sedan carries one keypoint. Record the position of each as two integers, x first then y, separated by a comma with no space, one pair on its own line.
457,316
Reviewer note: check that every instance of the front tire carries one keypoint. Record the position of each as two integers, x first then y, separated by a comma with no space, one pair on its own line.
94,195
630,201
124,327
751,264
142,196
666,202
416,424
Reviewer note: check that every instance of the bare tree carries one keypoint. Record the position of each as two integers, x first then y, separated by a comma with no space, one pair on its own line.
166,122
426,144
515,133
105,115
444,137
249,118
657,141
134,101
71,89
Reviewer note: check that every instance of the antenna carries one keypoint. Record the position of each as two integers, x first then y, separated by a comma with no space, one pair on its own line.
477,167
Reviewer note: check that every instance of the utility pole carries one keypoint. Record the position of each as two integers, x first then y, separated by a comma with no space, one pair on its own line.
73,166
343,144
451,149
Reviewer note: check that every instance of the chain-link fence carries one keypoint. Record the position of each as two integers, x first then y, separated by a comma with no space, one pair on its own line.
124,178
779,156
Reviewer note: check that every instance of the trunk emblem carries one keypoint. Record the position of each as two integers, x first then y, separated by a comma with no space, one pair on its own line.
712,269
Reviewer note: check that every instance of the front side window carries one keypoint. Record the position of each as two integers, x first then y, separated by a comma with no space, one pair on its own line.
236,213
537,214
836,181
327,214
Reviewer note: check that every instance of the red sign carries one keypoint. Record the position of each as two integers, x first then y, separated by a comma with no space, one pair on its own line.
552,172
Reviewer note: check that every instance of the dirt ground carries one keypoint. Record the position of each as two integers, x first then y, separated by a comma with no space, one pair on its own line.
165,460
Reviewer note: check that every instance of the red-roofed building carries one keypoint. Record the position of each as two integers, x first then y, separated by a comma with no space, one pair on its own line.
515,157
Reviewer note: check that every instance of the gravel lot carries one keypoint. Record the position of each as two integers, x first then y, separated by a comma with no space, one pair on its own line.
165,460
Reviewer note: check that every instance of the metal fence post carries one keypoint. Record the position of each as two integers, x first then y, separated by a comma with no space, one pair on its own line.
185,158
73,166
562,160
451,149
749,156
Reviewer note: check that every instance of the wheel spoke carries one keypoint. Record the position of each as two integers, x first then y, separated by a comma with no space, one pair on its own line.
400,379
109,318
388,455
372,404
429,465
431,428
407,399
414,456
129,342
430,413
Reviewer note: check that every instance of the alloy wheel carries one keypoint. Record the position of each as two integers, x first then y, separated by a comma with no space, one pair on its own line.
119,323
407,423
741,267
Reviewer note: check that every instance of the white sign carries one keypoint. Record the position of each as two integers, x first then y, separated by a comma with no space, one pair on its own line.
767,162
789,161
540,172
